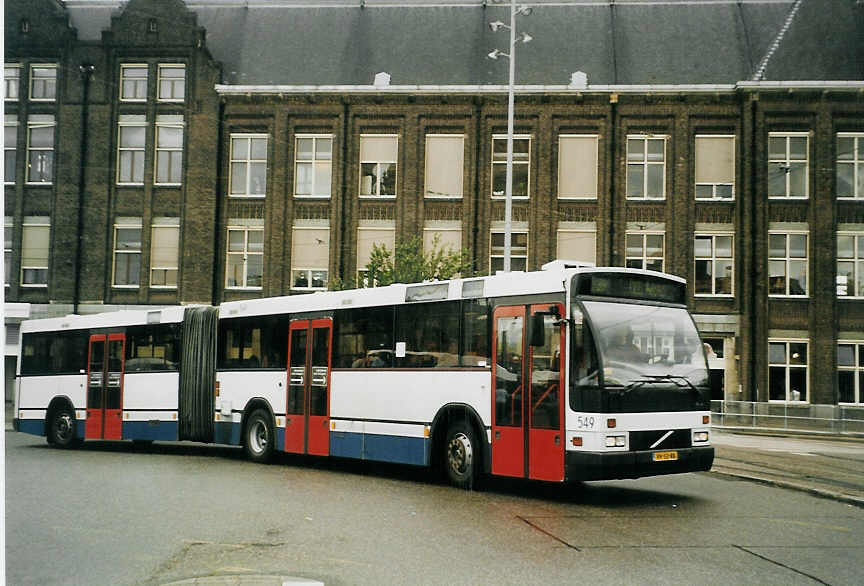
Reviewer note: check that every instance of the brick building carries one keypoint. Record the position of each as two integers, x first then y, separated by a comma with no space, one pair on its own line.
161,152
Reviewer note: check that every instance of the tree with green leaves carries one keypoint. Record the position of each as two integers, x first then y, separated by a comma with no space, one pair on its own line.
408,263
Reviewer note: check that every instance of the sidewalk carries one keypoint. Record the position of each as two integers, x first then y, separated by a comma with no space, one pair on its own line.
830,467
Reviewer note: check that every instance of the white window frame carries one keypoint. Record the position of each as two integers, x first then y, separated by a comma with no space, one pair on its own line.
513,249
426,168
502,163
124,67
245,253
376,188
11,82
787,162
314,162
714,186
126,224
788,366
857,369
857,163
165,224
35,222
37,121
788,259
10,121
172,80
307,269
140,150
8,246
646,164
165,122
248,161
857,264
713,259
644,258
47,81
561,164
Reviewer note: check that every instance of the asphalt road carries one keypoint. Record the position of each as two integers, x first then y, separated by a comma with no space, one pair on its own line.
111,514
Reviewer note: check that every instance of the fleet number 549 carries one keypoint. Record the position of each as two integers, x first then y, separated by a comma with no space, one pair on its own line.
584,422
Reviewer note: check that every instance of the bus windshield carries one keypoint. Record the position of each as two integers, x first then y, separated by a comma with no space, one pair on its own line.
647,345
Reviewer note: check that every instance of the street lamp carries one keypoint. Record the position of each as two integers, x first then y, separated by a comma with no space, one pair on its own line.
508,188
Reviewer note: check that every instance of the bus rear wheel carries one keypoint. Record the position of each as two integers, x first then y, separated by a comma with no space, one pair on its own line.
461,456
259,437
61,429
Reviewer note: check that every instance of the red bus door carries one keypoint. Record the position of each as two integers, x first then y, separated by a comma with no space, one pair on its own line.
307,422
527,413
105,365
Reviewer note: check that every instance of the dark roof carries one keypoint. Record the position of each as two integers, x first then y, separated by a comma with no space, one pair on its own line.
316,42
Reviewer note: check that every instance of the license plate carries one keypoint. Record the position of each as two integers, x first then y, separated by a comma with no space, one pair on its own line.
664,456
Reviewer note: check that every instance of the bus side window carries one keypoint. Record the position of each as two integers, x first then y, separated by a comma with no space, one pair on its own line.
475,333
364,338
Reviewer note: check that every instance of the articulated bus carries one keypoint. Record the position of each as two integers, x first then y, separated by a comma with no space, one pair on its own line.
570,373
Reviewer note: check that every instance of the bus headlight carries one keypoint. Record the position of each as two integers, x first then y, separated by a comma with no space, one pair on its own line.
700,436
615,441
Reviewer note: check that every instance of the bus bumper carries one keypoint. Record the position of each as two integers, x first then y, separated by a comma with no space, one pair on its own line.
613,465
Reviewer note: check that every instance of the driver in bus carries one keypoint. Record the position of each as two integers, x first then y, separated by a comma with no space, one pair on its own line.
620,346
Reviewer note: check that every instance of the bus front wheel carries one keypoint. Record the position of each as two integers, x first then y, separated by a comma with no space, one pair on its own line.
259,437
461,455
61,429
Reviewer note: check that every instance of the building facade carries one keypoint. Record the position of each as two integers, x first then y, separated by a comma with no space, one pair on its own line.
162,153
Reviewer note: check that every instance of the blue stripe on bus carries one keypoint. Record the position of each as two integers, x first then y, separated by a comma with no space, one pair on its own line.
35,426
381,448
226,432
166,431
280,439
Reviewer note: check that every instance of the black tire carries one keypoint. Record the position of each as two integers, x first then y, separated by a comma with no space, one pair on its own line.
258,437
461,456
62,429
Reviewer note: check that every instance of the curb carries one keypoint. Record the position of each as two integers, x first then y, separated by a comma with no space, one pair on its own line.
819,492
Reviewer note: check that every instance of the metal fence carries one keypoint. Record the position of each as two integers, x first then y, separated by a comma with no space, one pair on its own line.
826,419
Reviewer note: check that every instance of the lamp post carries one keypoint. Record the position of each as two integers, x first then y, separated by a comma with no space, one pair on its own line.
508,187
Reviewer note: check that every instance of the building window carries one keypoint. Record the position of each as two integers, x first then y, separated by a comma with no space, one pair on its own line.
132,132
378,156
133,83
11,81
313,165
10,150
164,253
646,167
577,244
787,264
169,149
577,166
172,83
248,165
372,233
850,166
787,370
715,167
310,257
518,251
850,372
445,155
35,251
521,166
8,228
645,250
127,253
245,262
850,265
40,149
715,265
43,83
787,165
445,236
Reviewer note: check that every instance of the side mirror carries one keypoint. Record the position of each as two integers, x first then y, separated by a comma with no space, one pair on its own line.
536,336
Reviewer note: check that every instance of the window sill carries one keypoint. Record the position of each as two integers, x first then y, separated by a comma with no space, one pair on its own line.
800,297
244,288
130,184
133,100
646,198
377,196
39,183
577,198
518,197
715,200
126,287
167,185
788,197
784,402
164,287
246,196
44,100
714,295
171,100
298,196
859,199
443,197
33,286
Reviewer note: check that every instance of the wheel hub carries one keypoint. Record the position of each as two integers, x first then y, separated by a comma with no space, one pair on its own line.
459,453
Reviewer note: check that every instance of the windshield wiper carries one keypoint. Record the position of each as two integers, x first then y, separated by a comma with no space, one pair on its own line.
676,379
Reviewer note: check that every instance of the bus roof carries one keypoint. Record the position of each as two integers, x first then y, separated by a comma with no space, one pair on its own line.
110,319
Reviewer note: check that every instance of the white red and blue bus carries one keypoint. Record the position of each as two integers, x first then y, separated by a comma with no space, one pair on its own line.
566,374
